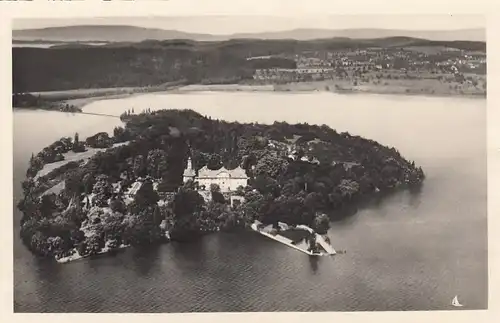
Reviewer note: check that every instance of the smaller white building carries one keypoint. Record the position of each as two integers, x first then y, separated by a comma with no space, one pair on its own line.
133,189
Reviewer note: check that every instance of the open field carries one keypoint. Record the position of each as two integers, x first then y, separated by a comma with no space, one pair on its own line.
72,156
407,87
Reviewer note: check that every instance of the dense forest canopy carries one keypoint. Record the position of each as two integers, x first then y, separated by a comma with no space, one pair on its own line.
299,174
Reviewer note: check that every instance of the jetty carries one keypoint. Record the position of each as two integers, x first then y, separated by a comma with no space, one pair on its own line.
277,237
99,114
325,245
319,239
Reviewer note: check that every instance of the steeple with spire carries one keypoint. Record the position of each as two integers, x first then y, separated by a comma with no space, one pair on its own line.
189,172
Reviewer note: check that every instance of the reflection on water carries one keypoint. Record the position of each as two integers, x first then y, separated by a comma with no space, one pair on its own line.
415,196
406,251
313,261
191,252
145,259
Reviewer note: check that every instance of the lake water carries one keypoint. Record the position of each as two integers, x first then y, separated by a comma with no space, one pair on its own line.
410,252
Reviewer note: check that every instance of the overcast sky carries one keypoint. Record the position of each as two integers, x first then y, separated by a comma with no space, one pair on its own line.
251,24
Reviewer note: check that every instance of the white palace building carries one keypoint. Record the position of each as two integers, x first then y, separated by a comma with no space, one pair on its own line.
228,180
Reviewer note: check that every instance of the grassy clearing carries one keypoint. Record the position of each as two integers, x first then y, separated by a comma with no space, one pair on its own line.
72,156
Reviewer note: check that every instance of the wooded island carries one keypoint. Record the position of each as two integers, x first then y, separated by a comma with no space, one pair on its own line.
128,189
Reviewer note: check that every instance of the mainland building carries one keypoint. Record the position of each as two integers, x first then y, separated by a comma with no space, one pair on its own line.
228,180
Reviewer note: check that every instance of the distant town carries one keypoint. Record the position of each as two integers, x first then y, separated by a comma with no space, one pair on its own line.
460,70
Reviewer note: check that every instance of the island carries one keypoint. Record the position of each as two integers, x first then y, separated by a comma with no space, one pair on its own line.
175,175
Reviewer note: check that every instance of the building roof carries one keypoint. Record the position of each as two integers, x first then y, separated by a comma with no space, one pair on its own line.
238,172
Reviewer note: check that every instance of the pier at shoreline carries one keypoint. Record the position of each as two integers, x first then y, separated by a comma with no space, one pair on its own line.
329,250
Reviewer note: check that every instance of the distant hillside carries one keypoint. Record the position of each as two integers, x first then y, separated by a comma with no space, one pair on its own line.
137,34
258,47
103,33
153,62
309,34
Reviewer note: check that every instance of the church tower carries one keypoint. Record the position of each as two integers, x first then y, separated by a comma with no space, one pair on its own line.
189,172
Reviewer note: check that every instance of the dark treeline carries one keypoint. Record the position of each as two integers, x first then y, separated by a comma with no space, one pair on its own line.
308,182
150,63
36,69
26,100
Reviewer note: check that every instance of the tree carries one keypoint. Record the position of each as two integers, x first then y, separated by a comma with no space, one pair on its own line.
112,226
240,191
77,145
266,185
291,187
38,244
55,246
314,201
102,191
270,165
29,205
348,188
214,161
139,166
121,135
146,196
99,140
28,186
217,196
117,205
252,209
187,201
94,244
88,182
157,215
321,223
157,163
73,184
47,205
187,209
74,213
312,243
77,237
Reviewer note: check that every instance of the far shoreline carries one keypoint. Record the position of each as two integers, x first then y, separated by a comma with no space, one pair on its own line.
264,88
82,97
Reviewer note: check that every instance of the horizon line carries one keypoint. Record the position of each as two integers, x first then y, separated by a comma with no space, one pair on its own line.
257,32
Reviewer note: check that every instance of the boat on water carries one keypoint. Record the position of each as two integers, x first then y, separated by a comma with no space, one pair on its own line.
455,302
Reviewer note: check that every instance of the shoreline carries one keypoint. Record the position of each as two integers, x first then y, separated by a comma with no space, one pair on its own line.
82,97
76,255
295,88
